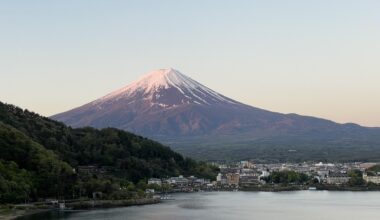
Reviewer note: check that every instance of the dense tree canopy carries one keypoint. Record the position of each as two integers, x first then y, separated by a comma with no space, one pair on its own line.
43,152
356,178
287,177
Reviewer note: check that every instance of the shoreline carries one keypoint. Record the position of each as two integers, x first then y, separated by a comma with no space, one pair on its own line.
15,212
96,204
12,214
311,188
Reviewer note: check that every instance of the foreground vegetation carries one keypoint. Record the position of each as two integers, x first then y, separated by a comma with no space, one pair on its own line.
39,159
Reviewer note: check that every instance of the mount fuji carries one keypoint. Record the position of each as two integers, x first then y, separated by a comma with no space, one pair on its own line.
170,107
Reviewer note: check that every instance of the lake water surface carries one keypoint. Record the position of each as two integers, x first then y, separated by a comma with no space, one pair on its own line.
301,205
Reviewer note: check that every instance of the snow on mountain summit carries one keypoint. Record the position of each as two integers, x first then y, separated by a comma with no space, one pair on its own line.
169,106
168,87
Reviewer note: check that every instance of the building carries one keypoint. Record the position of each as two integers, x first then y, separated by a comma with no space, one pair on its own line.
371,179
178,181
248,172
229,170
155,181
233,179
149,191
264,174
323,174
337,178
247,181
219,178
199,182
247,165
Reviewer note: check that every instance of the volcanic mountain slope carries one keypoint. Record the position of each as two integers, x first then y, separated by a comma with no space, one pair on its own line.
169,106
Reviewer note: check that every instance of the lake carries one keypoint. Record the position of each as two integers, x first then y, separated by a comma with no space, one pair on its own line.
300,205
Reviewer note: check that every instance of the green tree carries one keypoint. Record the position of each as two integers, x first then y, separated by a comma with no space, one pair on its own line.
356,178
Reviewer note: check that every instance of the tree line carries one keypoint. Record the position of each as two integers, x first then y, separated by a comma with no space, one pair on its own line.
39,157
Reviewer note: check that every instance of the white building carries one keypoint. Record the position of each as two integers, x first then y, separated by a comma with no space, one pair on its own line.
338,178
264,174
182,181
154,181
371,179
219,177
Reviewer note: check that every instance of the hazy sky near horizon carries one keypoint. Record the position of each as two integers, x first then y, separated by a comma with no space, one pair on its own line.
318,58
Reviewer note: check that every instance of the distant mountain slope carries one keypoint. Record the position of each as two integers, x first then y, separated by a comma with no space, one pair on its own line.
170,107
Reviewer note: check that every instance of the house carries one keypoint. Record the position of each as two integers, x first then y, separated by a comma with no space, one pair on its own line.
179,181
219,178
230,170
248,172
264,174
323,174
337,178
371,179
222,179
233,179
149,191
198,182
154,181
201,182
249,180
191,179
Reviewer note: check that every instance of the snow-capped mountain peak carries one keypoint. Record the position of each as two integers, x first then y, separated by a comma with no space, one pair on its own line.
166,105
168,87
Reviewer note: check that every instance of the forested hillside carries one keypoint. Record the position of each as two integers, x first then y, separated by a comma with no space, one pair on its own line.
39,158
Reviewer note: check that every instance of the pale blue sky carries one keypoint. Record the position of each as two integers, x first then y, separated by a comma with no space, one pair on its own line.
319,58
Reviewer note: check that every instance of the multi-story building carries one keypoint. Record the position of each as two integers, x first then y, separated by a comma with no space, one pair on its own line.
371,179
337,178
247,181
154,181
233,179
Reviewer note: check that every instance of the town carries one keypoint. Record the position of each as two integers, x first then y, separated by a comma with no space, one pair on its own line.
246,175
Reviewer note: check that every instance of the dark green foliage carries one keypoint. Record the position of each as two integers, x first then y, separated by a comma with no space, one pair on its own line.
287,177
47,150
356,178
375,169
15,183
43,166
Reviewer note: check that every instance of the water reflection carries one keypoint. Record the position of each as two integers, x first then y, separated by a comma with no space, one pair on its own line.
310,205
